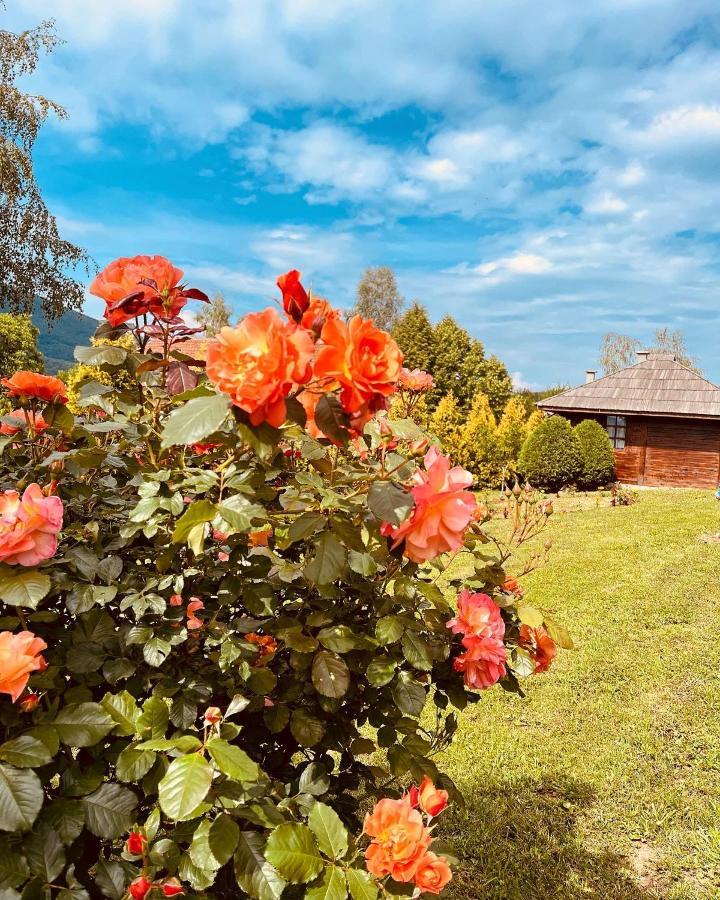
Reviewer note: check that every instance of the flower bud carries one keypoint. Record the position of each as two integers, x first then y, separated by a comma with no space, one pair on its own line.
172,887
135,843
29,701
213,715
139,888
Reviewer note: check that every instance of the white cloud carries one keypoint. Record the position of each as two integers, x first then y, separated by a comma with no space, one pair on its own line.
607,204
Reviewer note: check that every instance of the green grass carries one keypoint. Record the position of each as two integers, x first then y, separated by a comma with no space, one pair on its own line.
605,781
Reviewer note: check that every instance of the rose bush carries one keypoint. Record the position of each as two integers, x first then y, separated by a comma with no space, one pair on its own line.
222,637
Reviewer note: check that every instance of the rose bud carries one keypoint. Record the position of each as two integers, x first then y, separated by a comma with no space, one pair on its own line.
213,715
176,600
29,702
172,887
294,296
135,843
432,800
139,888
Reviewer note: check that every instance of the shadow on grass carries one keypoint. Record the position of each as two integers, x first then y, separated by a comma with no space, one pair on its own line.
518,840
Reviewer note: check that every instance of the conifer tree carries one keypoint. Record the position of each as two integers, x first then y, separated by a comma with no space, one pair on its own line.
495,381
512,430
452,347
446,424
413,332
479,450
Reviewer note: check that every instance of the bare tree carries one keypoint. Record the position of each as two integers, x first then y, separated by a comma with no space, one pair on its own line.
34,260
378,297
617,351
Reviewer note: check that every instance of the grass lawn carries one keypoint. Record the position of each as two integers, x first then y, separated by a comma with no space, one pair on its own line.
605,781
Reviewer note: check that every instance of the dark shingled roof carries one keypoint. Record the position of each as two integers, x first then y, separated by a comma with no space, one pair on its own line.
656,386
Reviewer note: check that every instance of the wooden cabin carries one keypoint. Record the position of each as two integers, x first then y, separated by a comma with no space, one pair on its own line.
663,420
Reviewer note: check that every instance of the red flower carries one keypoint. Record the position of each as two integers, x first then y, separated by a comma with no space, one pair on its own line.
29,701
172,887
541,646
33,386
294,295
266,645
139,887
193,622
213,715
432,800
317,314
135,843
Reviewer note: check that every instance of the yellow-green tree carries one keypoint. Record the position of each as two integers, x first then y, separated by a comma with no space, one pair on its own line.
18,349
512,430
479,450
81,373
446,424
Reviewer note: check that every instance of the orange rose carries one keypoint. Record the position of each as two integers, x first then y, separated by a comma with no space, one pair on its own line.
399,839
32,421
432,800
193,622
33,386
260,538
442,512
294,296
363,360
19,656
259,362
317,314
541,646
29,526
266,645
416,381
433,873
512,586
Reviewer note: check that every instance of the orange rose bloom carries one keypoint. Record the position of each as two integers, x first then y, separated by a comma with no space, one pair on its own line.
432,800
294,295
317,314
433,873
442,512
19,656
36,422
399,839
541,646
29,526
259,362
33,386
362,359
266,645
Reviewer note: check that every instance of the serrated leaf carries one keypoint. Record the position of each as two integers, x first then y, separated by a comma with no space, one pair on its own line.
82,724
329,831
409,695
102,355
111,877
331,419
67,817
223,838
332,886
109,811
232,761
133,765
13,868
388,502
197,513
25,752
123,710
184,786
328,561
24,588
304,526
200,852
292,849
21,798
156,651
362,563
253,872
528,615
330,675
195,420
154,717
381,671
416,651
361,884
389,629
239,512
45,853
307,729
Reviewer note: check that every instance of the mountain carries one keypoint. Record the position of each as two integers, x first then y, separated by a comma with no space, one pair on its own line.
58,340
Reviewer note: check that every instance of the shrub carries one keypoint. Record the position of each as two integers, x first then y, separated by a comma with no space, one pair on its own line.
598,458
550,458
479,449
212,624
446,424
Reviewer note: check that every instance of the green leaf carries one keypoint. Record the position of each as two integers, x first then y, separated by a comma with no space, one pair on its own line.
154,717
314,780
389,629
416,651
57,415
103,355
197,513
362,885
528,615
67,817
291,848
132,765
304,526
330,675
24,588
332,419
25,752
200,853
388,502
253,873
111,877
328,562
307,729
560,635
332,887
381,670
223,838
109,811
239,512
232,761
362,563
339,638
82,724
122,709
409,695
13,868
21,798
156,651
185,785
329,831
195,420
45,853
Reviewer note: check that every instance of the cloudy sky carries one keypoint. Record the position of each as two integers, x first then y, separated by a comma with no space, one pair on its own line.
546,172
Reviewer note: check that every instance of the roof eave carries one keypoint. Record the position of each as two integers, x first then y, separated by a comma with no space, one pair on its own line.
620,411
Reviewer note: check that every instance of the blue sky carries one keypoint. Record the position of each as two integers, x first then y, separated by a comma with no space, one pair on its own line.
545,172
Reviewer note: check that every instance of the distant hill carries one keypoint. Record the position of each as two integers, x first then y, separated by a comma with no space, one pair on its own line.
58,340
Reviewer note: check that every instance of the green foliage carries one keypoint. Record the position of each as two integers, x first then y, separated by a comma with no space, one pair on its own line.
93,368
378,297
214,315
479,449
493,379
452,346
598,458
18,345
512,429
321,648
414,334
551,458
446,423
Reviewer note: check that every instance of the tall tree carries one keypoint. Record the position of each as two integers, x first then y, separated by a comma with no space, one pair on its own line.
34,260
413,332
617,351
494,380
378,297
18,349
214,316
452,347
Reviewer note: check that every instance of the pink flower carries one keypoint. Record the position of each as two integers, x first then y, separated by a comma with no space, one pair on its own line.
442,512
483,663
478,616
29,526
19,656
193,622
416,380
223,556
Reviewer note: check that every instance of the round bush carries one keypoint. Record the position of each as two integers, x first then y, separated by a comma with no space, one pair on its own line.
598,459
551,457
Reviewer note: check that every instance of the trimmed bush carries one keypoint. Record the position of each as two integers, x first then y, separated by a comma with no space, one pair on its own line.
551,457
598,459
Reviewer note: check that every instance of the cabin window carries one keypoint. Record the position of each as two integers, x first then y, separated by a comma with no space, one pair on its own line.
616,429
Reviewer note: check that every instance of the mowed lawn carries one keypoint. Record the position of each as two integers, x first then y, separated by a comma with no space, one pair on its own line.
605,781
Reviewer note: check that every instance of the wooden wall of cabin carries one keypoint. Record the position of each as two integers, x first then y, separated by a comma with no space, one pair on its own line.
666,452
